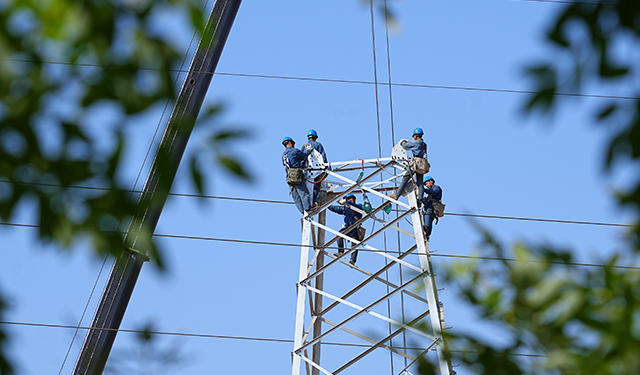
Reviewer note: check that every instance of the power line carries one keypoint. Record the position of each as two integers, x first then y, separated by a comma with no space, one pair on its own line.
147,331
564,2
223,337
375,77
542,220
271,243
414,85
559,221
84,311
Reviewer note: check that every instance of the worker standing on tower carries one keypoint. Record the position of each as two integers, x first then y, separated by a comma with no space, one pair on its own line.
294,161
433,198
350,217
313,144
415,149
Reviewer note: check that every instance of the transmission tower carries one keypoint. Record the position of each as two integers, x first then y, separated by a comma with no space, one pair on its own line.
382,309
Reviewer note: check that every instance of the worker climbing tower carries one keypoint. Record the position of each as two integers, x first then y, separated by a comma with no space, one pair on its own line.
382,311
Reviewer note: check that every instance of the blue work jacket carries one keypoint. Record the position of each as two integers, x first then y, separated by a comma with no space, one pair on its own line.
350,216
313,145
415,148
433,194
293,158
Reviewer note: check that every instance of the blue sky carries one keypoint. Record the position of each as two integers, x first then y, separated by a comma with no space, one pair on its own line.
488,158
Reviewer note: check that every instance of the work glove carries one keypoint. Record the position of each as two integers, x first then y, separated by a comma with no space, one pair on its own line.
342,201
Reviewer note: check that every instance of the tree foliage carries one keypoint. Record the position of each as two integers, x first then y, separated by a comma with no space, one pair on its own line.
63,65
573,320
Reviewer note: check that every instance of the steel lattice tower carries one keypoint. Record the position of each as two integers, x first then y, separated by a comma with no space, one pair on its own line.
355,328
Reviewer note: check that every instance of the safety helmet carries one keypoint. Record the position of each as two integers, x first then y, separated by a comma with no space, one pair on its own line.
350,196
427,178
418,131
312,133
288,139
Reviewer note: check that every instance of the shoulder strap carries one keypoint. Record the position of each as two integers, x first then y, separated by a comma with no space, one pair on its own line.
286,158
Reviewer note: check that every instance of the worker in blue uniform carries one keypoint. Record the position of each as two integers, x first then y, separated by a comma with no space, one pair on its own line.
292,158
433,193
313,144
415,149
350,217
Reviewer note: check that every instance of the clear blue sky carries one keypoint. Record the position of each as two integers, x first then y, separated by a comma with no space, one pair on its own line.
488,158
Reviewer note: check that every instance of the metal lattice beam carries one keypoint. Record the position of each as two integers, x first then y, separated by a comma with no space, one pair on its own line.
317,275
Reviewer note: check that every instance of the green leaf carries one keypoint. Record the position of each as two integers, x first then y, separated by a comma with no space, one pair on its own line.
211,110
196,175
233,166
608,70
542,100
225,135
197,19
606,111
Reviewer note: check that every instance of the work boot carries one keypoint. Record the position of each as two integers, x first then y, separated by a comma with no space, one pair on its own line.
337,254
352,262
393,195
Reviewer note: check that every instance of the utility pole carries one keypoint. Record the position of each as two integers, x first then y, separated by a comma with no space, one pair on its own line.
126,269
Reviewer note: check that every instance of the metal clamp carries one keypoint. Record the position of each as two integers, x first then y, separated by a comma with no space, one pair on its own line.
133,251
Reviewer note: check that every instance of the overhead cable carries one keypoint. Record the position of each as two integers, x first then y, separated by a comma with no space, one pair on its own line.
415,85
564,2
224,337
290,203
252,242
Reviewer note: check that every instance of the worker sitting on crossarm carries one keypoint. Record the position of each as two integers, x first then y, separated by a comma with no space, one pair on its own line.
415,149
294,162
350,217
433,194
308,147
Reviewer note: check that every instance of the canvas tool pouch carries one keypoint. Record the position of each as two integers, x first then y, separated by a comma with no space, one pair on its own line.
438,208
295,176
361,233
419,165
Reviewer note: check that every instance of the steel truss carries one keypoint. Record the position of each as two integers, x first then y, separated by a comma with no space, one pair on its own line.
354,321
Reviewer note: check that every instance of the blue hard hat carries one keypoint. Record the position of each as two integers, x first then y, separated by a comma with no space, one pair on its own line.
312,132
417,131
350,196
427,178
287,139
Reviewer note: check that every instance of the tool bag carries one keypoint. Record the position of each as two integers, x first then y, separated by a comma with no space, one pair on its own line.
438,208
295,176
419,165
361,233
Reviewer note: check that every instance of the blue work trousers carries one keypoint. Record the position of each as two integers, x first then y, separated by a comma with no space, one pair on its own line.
300,196
316,188
427,219
405,181
352,234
